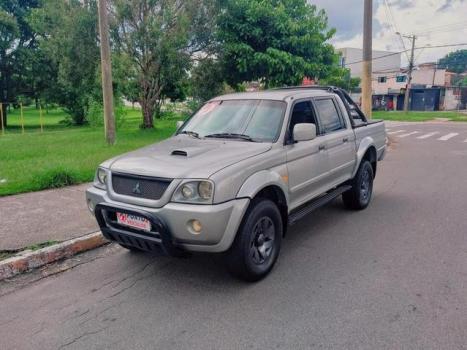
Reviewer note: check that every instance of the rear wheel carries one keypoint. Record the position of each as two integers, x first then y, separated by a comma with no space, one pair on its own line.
359,196
257,244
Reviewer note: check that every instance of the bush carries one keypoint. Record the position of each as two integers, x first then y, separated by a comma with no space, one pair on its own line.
95,115
56,178
170,112
25,100
193,105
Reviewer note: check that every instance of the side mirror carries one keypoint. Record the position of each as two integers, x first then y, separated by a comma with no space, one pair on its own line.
304,132
179,124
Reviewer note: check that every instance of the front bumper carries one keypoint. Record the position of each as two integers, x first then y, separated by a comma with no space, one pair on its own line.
220,223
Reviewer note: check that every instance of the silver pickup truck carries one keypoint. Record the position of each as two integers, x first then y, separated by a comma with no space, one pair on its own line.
239,172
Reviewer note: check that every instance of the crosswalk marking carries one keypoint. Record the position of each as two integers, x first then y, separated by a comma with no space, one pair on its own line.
395,132
465,140
408,134
428,135
448,136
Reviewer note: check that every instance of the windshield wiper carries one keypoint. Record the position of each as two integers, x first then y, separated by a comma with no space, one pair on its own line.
229,135
191,133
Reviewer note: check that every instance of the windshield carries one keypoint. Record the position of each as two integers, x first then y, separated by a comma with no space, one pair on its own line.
252,120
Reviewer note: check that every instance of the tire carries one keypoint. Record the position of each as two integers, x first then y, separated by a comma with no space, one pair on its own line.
359,196
257,244
130,248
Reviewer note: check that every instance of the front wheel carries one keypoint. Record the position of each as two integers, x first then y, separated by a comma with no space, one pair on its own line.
359,196
258,241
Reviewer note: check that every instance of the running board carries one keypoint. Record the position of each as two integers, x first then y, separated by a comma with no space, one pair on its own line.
317,203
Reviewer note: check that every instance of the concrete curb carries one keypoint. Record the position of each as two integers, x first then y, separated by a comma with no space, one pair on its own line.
29,260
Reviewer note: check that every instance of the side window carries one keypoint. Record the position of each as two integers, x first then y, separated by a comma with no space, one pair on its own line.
302,113
328,115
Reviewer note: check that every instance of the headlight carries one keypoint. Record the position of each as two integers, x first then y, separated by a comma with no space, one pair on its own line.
200,192
189,191
205,189
101,178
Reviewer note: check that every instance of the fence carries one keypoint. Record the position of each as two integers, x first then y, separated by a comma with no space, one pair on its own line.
2,117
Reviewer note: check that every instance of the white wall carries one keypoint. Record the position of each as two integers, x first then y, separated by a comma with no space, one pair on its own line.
388,63
390,84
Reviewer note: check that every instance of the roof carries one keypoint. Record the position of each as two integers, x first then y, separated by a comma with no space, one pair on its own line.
276,94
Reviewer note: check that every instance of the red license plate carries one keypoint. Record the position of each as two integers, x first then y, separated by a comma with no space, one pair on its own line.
134,221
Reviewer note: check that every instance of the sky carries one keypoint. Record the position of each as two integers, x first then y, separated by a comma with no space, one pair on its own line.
435,22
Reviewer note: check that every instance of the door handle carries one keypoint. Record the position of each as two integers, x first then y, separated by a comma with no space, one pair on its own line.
345,139
322,147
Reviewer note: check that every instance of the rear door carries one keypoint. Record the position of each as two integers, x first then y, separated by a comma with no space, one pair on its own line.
306,159
338,139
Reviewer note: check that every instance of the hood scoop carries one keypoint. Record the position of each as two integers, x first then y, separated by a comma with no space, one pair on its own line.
190,151
179,152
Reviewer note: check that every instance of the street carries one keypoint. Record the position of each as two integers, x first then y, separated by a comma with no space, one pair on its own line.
393,276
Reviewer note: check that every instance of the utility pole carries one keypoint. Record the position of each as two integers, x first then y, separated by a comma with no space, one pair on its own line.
409,75
367,58
107,92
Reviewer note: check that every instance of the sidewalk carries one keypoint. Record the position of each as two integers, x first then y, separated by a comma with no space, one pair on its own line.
35,217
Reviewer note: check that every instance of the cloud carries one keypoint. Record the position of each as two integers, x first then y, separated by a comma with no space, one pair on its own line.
346,16
448,4
435,22
401,4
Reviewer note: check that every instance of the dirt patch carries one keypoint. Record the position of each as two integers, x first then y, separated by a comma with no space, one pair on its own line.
391,143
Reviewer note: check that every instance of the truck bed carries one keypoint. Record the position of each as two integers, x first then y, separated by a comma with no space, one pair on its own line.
374,129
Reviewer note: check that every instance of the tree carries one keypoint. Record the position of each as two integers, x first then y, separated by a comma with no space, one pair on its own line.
67,33
341,78
461,81
207,79
277,42
455,61
8,33
161,37
16,39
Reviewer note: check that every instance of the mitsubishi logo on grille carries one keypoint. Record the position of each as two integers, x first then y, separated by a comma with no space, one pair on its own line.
137,188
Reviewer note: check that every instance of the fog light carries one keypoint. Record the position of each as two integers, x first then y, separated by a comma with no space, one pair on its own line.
195,226
90,206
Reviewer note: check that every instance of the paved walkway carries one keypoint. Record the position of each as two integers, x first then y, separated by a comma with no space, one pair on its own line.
57,214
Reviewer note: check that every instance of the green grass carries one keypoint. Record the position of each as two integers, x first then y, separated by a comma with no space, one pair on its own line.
414,116
5,254
52,120
67,155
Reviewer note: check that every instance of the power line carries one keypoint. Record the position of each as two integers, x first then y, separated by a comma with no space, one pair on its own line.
432,32
377,58
417,48
419,54
441,27
395,28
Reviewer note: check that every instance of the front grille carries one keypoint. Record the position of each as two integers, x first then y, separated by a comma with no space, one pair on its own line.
139,186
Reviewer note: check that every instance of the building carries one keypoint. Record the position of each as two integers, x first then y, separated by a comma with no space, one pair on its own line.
383,61
386,71
432,88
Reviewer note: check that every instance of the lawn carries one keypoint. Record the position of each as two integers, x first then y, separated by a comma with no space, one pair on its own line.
65,155
414,116
51,120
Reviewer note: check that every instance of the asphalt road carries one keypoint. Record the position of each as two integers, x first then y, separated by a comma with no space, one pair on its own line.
391,277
